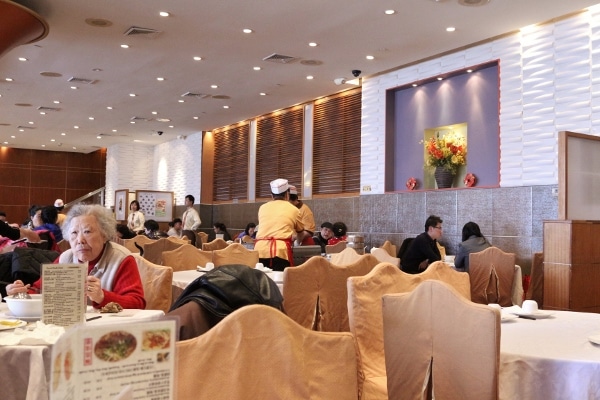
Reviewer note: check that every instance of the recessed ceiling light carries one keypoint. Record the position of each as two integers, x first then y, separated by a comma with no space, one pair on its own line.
43,145
8,79
313,44
97,69
124,46
370,57
163,119
262,93
181,101
74,87
132,122
160,78
22,59
196,58
42,113
76,127
91,118
310,77
439,78
390,12
63,134
214,86
450,29
132,94
225,106
414,85
154,112
256,68
163,14
195,117
247,30
12,136
114,130
56,102
171,126
137,141
53,140
98,137
21,130
109,108
74,148
31,122
469,71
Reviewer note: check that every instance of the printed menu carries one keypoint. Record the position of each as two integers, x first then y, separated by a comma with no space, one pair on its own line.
63,293
115,361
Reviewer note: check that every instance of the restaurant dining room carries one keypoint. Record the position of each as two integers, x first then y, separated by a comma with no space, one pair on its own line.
339,200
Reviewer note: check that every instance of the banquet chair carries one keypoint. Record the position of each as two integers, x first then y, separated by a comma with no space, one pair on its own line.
235,254
64,245
335,248
157,281
201,238
181,240
536,285
186,257
140,240
190,236
345,257
383,256
217,244
315,292
364,314
428,354
390,248
442,250
153,251
492,273
277,359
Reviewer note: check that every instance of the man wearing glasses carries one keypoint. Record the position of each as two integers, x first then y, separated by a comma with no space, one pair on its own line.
423,250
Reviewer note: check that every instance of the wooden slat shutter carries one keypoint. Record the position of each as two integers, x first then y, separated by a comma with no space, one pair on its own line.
230,174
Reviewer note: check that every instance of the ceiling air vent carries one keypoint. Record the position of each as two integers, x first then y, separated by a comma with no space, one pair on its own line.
142,32
42,108
280,58
140,119
25,127
81,80
197,95
473,3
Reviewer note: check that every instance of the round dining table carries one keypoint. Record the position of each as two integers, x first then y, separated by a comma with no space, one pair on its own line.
553,358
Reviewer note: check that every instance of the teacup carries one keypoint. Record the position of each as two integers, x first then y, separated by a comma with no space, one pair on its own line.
496,306
209,266
259,266
530,307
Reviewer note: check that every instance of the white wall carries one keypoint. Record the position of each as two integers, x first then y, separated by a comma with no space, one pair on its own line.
549,82
128,166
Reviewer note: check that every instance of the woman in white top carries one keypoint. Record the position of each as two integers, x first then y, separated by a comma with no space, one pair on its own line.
136,218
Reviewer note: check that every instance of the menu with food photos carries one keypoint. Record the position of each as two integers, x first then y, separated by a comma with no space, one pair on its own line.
115,361
63,293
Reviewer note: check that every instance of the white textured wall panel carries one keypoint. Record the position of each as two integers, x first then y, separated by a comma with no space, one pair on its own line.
549,82
128,166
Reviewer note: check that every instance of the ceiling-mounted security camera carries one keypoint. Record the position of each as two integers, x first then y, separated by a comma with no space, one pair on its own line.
159,133
339,81
356,72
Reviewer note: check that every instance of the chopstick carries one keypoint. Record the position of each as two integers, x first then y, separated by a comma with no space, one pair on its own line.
93,318
527,317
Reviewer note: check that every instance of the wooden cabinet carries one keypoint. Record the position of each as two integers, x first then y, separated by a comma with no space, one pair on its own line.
572,265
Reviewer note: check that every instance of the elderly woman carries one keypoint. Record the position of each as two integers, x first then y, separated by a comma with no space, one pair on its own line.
112,270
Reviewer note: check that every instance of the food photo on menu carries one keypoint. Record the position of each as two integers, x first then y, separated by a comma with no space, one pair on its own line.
106,361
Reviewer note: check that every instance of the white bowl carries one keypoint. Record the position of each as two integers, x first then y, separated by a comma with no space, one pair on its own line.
25,308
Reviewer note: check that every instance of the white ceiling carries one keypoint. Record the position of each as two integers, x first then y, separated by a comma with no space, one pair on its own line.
346,32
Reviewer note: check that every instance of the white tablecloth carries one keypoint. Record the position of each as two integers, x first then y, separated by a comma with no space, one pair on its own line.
550,359
25,370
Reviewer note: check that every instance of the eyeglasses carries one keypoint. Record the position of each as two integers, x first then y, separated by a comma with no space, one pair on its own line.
438,227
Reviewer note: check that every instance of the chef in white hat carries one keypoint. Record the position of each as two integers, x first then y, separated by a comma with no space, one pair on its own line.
60,206
279,222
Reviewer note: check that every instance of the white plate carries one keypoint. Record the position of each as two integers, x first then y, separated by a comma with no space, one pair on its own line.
6,327
28,319
594,339
537,315
507,317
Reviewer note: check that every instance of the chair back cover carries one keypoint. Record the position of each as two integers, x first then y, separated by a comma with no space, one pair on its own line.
383,256
492,272
336,248
390,248
186,257
153,251
437,341
140,240
315,293
235,254
201,238
216,244
345,257
257,352
157,281
364,313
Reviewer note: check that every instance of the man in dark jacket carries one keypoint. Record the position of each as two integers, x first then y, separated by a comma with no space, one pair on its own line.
423,250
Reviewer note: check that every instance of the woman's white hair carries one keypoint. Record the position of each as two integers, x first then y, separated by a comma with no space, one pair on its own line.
105,218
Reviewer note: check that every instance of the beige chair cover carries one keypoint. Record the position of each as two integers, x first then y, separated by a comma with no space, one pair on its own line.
535,291
216,244
383,256
315,293
492,272
157,281
141,240
235,254
181,240
364,313
390,248
257,352
345,257
153,251
436,341
64,245
186,257
201,238
336,248
442,250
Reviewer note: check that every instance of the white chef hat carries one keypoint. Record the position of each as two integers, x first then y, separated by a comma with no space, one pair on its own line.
279,186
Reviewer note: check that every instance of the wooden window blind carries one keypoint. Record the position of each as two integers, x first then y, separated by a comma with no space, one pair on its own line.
336,151
279,149
230,173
